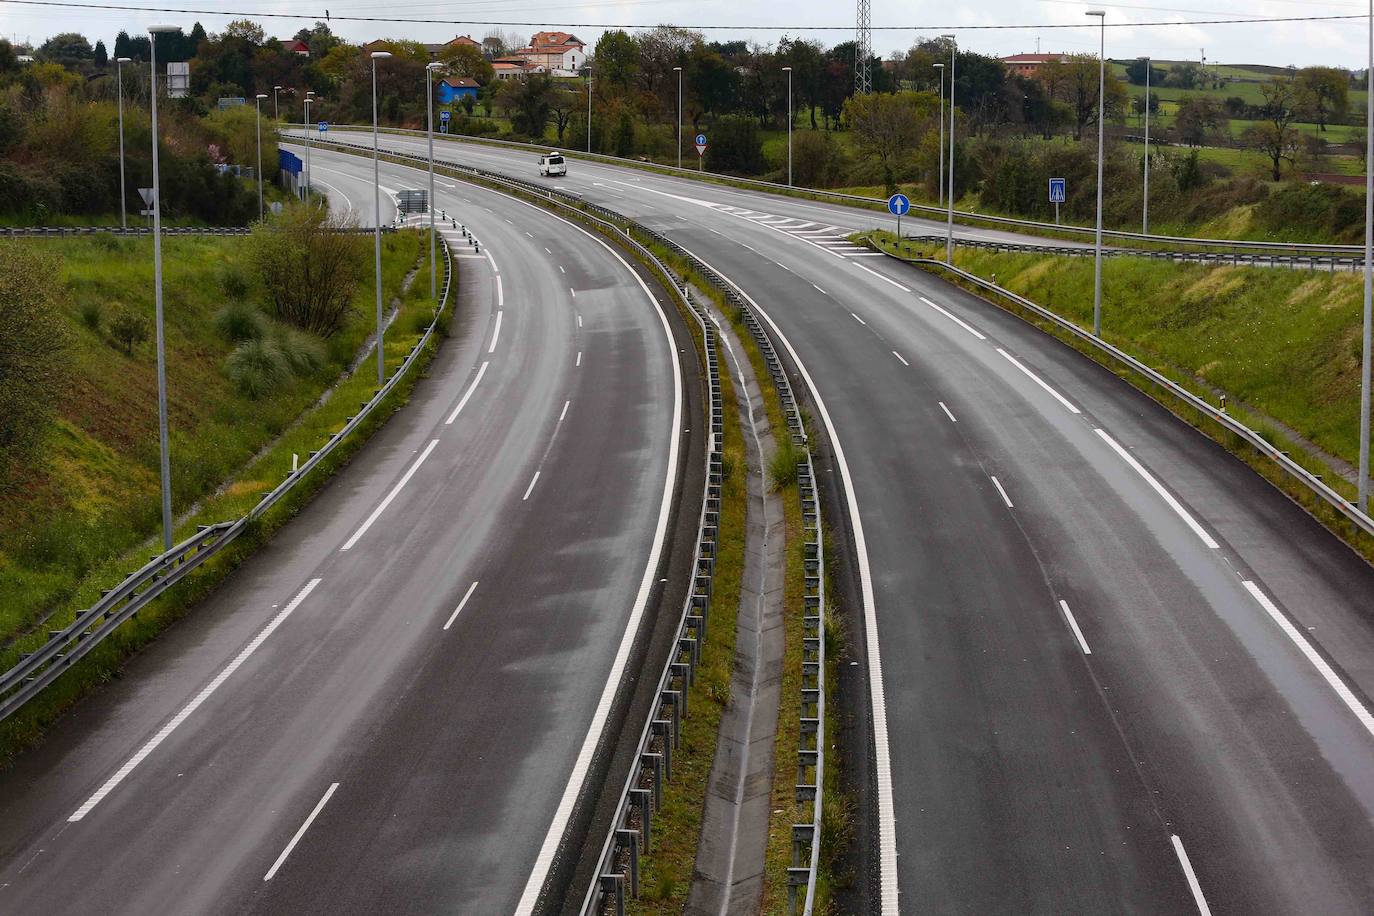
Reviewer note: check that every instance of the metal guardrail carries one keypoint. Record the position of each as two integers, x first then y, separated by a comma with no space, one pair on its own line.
938,213
1324,492
66,646
1235,259
48,232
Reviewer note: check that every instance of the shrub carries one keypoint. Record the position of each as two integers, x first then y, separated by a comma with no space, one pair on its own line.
129,330
90,314
240,321
235,283
735,146
31,345
310,269
257,368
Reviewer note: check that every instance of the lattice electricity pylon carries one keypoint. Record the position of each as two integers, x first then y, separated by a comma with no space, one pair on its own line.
863,49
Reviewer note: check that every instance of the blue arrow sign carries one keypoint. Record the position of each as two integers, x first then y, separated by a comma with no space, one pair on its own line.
898,205
1057,190
701,139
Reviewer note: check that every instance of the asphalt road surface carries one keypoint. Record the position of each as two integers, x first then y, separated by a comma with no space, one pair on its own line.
1109,668
390,706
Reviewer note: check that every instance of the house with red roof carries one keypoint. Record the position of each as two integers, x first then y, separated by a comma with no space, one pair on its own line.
559,53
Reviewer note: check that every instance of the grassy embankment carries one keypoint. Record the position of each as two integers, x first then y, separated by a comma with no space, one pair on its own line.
1284,345
87,514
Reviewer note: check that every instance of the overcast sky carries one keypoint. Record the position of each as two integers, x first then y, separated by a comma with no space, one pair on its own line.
1339,43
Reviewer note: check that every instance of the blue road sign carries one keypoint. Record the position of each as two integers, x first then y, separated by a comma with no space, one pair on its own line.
701,139
898,205
444,116
324,126
1057,190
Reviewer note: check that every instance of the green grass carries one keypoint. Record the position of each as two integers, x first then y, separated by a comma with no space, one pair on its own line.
87,512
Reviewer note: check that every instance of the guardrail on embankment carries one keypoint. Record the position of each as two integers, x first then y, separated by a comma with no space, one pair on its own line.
61,232
631,826
917,210
66,646
1235,259
1319,488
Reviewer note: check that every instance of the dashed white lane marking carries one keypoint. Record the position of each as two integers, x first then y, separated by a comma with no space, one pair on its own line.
1039,381
381,507
784,267
195,704
579,321
947,412
301,832
866,270
821,291
466,595
561,270
1159,488
899,356
1002,490
564,412
954,318
481,371
579,358
573,291
1329,675
859,320
496,332
530,489
1193,884
1073,625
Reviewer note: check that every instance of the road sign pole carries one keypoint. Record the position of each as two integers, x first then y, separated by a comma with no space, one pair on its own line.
1056,213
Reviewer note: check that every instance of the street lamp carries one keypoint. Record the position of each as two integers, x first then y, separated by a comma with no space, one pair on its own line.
276,114
940,71
165,460
257,106
309,97
949,200
377,217
1145,208
588,72
429,86
119,90
1101,108
678,71
1368,272
788,71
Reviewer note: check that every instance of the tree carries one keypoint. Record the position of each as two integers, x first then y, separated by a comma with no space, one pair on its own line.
122,47
1136,70
70,49
320,38
1186,75
1275,137
563,103
529,102
1078,84
1199,118
735,146
816,159
465,60
615,59
887,126
1323,93
245,30
102,57
129,330
32,338
309,267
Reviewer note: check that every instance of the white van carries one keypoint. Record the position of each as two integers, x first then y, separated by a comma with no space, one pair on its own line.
551,164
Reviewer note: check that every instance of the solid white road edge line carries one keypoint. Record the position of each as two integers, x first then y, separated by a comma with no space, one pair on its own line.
954,318
530,489
381,507
466,596
1005,498
1073,625
887,821
883,278
899,356
1039,381
496,332
859,320
1159,488
1191,875
947,413
319,806
500,292
544,860
1328,674
195,703
481,371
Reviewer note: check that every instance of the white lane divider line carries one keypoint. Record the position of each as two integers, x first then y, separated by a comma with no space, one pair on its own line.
859,320
579,321
528,236
563,414
899,356
381,507
1000,489
1159,488
1191,875
1039,381
500,293
947,413
821,291
579,358
301,832
496,332
192,706
466,595
573,291
784,267
1328,674
1073,625
481,371
561,270
954,318
546,250
883,278
530,489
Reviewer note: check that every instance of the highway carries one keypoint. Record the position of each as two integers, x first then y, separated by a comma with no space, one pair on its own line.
1106,668
393,706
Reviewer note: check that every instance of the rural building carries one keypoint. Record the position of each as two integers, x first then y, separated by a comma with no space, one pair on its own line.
454,88
295,46
1030,64
557,52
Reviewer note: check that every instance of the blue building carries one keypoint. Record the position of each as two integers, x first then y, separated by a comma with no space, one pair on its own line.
452,89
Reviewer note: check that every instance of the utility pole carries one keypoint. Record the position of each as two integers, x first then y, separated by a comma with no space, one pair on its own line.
863,49
788,71
679,116
940,72
949,199
257,106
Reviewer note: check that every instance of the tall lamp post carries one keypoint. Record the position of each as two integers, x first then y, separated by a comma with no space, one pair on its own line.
257,105
949,199
377,219
165,459
309,97
940,72
119,91
276,114
429,91
588,72
1145,207
1101,127
1368,272
678,71
788,71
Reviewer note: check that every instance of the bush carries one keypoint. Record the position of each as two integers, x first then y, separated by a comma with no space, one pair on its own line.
90,314
304,353
257,368
129,330
310,268
31,343
735,146
240,321
235,283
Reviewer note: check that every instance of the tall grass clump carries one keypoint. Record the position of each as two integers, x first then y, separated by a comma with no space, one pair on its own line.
258,368
241,321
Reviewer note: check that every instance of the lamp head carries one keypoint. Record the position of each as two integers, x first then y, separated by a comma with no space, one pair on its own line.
434,65
1100,14
380,55
123,60
156,29
262,95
